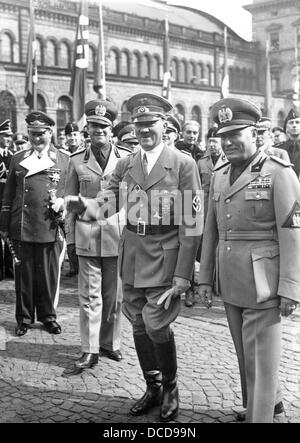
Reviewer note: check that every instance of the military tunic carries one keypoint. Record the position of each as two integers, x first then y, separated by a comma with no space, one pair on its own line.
5,255
100,293
251,242
31,224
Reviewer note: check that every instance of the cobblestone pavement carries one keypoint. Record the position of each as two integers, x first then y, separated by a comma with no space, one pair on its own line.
34,388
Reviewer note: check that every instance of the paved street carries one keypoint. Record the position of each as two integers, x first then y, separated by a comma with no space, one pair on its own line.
35,388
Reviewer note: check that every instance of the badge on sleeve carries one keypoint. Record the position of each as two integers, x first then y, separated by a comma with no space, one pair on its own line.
293,219
197,205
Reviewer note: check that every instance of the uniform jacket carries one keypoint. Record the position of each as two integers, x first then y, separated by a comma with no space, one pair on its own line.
153,260
250,239
276,151
293,150
25,205
5,158
86,177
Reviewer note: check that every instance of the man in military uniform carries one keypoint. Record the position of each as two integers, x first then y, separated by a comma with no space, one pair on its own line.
31,200
20,141
172,131
251,226
100,293
128,138
74,139
292,145
160,188
264,141
279,136
6,268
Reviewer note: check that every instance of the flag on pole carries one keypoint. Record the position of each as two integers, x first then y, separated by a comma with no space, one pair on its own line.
31,66
296,94
268,84
99,78
80,65
166,91
225,82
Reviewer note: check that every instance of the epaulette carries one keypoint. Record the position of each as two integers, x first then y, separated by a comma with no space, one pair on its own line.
77,152
280,161
123,148
221,166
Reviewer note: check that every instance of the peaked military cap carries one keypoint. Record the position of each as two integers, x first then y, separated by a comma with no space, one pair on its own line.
232,113
71,127
212,133
128,134
100,111
173,123
292,115
264,124
5,128
278,128
37,120
20,138
147,107
117,128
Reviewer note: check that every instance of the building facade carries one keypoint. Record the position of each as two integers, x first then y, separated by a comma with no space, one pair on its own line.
134,52
278,22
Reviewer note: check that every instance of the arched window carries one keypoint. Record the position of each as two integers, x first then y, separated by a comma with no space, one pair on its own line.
200,74
174,70
146,66
124,65
192,73
92,59
136,65
210,75
179,112
156,73
231,78
280,118
196,114
238,79
39,52
182,71
113,62
125,114
41,103
7,52
51,53
64,56
63,112
8,108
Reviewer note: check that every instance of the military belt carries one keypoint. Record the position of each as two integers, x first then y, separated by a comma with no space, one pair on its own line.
248,235
142,229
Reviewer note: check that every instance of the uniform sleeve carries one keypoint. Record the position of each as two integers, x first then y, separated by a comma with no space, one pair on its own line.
71,188
8,197
210,242
191,228
287,212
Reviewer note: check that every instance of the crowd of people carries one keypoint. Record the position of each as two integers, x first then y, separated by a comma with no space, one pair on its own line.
136,205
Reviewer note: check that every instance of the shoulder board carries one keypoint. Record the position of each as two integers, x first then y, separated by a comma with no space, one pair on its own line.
280,161
123,148
80,151
221,166
185,152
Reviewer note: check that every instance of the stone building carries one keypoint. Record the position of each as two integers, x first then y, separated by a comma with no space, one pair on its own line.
278,21
134,50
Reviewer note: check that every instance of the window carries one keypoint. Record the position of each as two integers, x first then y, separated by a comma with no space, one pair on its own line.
125,114
7,54
174,70
298,37
8,108
179,113
41,104
196,115
274,41
210,75
136,65
39,52
275,80
281,118
146,66
182,71
156,66
64,112
113,62
124,65
64,56
51,53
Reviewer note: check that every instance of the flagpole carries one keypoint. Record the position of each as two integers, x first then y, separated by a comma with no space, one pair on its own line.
225,81
34,49
166,91
296,96
100,80
268,84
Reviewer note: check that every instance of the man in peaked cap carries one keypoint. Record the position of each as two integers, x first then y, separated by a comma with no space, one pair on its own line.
96,245
30,216
157,250
20,141
279,136
292,144
6,267
74,139
172,131
251,225
264,141
128,138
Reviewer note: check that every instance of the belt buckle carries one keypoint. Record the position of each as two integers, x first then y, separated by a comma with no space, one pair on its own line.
141,228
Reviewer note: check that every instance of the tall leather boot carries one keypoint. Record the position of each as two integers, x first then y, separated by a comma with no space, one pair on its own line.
146,355
166,353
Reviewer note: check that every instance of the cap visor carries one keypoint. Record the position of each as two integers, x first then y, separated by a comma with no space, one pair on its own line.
146,118
99,120
231,128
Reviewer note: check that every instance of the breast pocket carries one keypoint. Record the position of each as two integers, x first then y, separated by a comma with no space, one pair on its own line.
85,182
265,261
257,201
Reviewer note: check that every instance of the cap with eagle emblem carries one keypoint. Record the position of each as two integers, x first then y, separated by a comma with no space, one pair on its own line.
232,114
103,112
146,107
38,120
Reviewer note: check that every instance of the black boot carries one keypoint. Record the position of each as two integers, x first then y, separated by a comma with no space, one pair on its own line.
153,395
166,353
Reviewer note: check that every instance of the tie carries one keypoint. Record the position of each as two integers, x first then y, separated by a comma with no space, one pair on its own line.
145,165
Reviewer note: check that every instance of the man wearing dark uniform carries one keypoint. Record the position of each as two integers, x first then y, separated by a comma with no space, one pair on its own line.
292,145
6,268
32,197
251,245
158,246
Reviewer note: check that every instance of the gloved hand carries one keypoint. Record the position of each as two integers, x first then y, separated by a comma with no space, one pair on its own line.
180,285
75,204
287,306
205,293
58,204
